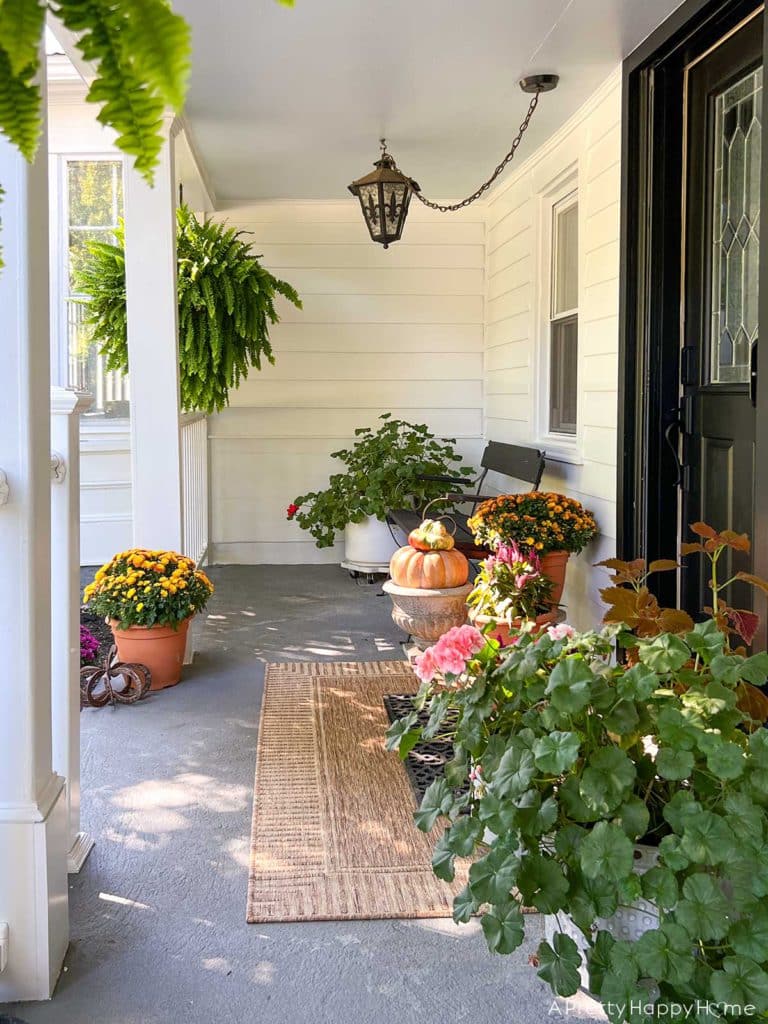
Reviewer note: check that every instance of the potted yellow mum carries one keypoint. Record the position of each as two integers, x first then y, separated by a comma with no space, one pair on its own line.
149,598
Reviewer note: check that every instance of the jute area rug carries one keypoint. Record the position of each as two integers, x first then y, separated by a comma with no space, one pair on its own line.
333,836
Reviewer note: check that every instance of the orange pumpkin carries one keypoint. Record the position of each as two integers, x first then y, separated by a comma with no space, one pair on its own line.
428,570
431,535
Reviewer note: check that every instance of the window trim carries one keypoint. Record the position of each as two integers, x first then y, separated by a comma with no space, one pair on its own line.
59,268
562,191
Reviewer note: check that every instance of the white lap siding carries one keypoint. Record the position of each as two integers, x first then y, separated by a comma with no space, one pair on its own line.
397,330
589,146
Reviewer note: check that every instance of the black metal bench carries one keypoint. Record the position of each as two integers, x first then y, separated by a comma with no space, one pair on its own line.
511,460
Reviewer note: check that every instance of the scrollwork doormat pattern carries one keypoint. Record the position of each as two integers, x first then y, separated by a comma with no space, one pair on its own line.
333,836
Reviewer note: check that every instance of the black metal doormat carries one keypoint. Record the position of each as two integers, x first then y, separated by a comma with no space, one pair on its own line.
427,761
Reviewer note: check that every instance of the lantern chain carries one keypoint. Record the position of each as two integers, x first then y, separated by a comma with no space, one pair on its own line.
487,184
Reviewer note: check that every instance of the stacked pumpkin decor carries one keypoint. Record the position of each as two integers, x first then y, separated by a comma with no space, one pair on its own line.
429,585
429,560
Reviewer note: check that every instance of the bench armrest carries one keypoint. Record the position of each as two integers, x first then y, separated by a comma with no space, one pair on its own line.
444,479
474,498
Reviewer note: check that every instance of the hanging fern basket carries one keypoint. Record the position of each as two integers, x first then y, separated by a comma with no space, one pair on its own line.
226,307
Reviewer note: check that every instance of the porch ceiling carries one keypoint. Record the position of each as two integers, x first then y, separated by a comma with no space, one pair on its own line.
291,103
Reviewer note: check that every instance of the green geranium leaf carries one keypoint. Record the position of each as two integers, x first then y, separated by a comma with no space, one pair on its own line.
497,815
672,855
703,911
464,906
462,835
665,954
755,669
665,653
503,928
633,817
749,935
607,780
570,685
571,800
706,838
556,753
679,808
559,964
637,684
726,668
437,801
568,839
599,960
542,883
443,858
706,640
675,729
606,851
744,817
659,885
401,736
492,878
674,764
741,982
623,718
515,772
726,761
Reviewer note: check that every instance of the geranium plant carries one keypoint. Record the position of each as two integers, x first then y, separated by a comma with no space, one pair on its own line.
510,586
143,587
564,759
385,469
541,520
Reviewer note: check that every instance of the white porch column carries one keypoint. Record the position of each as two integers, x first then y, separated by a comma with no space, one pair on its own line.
153,352
33,823
66,407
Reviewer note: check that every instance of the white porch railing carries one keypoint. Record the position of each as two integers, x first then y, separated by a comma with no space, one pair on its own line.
87,367
66,408
194,480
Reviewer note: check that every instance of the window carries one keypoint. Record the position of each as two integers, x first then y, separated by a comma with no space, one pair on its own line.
93,207
564,318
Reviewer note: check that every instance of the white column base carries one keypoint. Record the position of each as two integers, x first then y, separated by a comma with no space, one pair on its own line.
78,852
34,897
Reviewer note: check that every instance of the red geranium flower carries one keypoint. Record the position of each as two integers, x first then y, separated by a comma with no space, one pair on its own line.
292,510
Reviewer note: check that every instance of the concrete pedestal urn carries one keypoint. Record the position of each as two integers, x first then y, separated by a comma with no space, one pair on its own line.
427,614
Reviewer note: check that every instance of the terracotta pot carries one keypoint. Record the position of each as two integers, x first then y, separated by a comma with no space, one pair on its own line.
554,565
502,631
160,648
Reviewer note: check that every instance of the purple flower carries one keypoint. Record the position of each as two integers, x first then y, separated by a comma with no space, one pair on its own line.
89,646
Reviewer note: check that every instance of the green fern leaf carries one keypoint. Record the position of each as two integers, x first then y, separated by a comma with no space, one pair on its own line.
20,107
160,43
21,29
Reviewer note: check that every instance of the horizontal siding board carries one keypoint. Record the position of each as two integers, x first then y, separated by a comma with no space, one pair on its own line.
386,309
294,422
444,339
404,255
355,394
368,366
330,281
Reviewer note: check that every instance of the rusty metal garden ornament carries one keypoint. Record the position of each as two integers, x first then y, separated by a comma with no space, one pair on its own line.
97,688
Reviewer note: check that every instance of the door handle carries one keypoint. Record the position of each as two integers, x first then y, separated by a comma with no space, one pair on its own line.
753,372
675,424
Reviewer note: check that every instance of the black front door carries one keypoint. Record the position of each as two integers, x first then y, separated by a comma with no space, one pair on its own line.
722,98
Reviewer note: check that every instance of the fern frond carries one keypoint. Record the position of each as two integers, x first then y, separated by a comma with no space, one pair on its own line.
21,29
225,308
160,43
20,106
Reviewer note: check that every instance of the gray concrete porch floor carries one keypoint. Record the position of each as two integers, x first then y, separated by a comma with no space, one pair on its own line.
158,911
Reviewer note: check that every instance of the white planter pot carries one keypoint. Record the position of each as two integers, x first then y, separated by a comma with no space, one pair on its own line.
628,923
368,546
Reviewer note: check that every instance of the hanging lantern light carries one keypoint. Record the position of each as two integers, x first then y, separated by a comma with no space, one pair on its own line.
384,195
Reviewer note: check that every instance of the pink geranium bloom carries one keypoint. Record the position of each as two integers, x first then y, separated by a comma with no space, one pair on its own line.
425,665
562,631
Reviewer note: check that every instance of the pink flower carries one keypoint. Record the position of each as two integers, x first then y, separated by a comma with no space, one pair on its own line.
561,632
450,654
525,577
425,666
